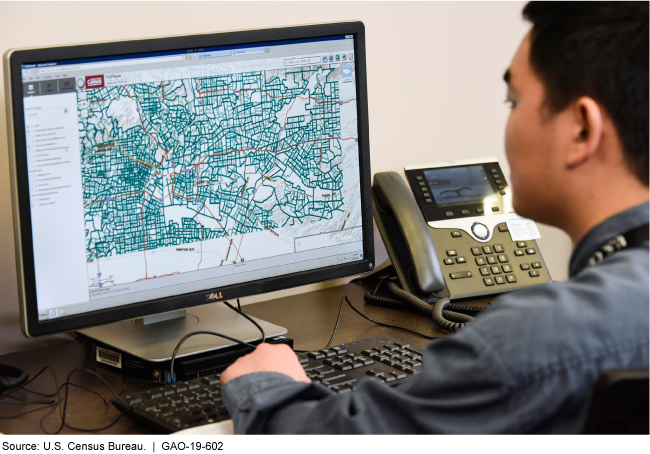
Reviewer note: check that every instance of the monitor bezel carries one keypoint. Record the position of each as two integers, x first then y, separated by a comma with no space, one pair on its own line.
13,61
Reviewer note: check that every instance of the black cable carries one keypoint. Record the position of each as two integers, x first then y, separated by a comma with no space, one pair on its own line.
385,324
238,305
247,318
195,333
338,319
65,405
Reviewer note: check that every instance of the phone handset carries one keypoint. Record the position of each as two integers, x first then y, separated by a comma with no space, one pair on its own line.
394,197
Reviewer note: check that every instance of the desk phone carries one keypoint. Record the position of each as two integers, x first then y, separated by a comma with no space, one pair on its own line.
448,236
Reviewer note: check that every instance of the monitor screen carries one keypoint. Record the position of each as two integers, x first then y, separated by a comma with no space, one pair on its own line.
199,171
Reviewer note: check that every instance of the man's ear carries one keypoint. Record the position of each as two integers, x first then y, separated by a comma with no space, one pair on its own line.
587,131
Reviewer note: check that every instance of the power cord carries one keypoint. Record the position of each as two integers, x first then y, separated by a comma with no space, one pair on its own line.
195,333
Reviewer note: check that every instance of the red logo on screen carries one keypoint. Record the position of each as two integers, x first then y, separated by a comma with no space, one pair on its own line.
94,81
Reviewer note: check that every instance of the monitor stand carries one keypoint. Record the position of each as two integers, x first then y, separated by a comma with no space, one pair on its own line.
155,341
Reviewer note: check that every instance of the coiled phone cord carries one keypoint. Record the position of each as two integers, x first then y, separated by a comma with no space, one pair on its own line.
442,311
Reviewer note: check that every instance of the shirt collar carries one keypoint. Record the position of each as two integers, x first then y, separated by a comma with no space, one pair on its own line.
616,225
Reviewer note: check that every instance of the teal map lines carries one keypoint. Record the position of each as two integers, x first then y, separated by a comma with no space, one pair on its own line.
216,167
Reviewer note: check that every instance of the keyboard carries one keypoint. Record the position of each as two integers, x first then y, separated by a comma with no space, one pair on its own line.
341,368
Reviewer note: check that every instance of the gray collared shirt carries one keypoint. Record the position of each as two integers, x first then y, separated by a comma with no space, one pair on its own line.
527,365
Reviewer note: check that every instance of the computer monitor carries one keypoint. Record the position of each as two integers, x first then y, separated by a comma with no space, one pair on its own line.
154,175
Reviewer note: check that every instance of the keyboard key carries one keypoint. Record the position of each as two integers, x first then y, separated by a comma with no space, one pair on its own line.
343,366
368,362
399,375
333,361
338,381
402,366
356,364
342,389
339,350
387,378
316,355
368,352
210,380
303,359
329,352
374,373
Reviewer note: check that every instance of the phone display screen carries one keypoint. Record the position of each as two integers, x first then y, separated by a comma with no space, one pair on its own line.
451,186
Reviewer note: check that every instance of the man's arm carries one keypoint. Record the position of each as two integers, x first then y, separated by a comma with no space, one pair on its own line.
267,358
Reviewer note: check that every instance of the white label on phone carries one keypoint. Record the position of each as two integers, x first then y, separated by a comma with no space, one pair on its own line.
521,229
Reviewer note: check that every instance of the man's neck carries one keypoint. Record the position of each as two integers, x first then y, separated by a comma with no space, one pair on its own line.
596,209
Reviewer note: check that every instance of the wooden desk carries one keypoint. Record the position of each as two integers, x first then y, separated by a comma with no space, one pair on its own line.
308,317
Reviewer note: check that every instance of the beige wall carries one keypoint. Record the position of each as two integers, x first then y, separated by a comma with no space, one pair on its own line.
434,82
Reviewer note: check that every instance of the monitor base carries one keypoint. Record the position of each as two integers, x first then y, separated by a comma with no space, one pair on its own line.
156,342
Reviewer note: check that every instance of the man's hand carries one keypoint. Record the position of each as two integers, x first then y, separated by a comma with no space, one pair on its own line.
267,358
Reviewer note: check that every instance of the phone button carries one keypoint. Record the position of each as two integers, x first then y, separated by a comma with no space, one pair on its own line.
533,273
462,260
519,252
460,274
485,271
480,231
493,170
452,253
421,183
503,258
480,261
506,268
536,264
530,251
500,280
456,234
428,200
477,251
487,249
448,261
418,178
464,212
488,281
525,266
449,214
511,278
479,210
496,269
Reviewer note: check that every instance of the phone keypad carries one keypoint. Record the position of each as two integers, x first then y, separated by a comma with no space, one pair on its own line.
494,266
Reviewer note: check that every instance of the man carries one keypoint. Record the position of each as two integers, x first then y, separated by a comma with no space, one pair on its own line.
577,144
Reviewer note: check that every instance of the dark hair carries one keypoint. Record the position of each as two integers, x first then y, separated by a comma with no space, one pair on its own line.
600,50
